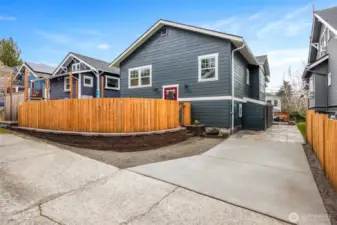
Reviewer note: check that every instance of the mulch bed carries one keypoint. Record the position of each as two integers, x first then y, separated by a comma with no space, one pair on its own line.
328,194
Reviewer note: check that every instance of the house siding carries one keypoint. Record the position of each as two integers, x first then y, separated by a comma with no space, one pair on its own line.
255,116
262,88
57,88
255,83
332,90
212,113
174,60
240,66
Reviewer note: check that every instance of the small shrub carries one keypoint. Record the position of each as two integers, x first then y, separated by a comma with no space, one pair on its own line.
196,122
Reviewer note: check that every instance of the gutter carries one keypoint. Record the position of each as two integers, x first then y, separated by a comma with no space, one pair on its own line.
232,79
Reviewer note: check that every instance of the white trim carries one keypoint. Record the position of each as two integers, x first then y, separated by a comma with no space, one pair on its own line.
80,85
326,23
227,97
139,76
168,86
65,84
318,62
111,77
67,57
91,81
25,65
162,23
240,110
329,79
67,74
201,57
254,101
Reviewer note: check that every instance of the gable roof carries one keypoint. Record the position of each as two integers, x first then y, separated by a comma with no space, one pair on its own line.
238,41
38,70
94,64
263,61
329,15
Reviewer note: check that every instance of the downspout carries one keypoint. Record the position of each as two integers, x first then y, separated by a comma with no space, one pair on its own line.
233,82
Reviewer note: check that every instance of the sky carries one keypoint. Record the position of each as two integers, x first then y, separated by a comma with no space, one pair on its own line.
46,30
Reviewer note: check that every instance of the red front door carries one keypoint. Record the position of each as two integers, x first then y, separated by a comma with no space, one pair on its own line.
171,93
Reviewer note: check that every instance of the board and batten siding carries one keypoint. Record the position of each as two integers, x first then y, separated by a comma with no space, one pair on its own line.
174,60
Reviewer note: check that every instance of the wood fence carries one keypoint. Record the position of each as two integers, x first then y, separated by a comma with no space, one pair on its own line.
11,110
101,115
185,114
322,135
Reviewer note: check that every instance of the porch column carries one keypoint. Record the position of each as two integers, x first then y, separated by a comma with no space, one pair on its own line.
11,97
26,85
98,92
102,86
71,84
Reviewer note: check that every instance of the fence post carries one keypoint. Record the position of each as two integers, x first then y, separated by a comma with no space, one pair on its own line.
26,85
11,96
71,84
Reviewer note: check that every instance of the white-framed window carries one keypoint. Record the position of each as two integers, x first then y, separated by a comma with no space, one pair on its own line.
329,79
240,110
140,77
311,87
88,81
247,76
66,84
75,67
208,67
112,83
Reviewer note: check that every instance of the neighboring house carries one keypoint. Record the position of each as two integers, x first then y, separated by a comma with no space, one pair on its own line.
321,71
275,101
187,63
37,73
88,72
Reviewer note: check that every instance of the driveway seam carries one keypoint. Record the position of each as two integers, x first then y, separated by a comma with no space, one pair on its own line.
150,208
250,163
218,199
52,197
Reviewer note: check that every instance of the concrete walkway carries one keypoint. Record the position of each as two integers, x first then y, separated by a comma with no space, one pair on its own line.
43,184
268,175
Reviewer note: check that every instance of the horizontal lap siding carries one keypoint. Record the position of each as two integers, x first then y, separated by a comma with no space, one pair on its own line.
174,60
57,88
212,113
241,88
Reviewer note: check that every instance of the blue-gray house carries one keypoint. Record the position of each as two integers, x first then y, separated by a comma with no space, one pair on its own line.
37,74
216,72
321,71
88,72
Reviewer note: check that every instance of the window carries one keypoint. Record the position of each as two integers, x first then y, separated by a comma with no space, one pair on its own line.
88,81
311,87
269,101
275,102
163,31
208,67
76,67
111,83
329,79
140,77
247,76
67,84
240,110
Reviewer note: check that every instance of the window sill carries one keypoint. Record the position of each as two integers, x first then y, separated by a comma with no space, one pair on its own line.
140,87
215,79
88,86
66,91
109,88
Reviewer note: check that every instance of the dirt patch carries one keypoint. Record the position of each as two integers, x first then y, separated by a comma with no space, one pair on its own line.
328,194
190,147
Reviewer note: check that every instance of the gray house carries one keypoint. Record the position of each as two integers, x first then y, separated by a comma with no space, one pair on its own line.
89,73
321,71
196,65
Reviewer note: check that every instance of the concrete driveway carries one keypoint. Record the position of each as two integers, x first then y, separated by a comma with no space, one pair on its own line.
266,175
43,184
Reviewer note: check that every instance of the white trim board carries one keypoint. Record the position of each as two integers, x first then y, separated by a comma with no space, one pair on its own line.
317,62
217,98
158,25
66,58
25,65
326,23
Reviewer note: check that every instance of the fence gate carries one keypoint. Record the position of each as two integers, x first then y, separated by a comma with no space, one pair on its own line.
11,113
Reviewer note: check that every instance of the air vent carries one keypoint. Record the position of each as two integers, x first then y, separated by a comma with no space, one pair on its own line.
163,31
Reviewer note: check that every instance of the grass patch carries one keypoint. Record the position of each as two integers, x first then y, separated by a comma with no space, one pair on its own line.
4,131
302,127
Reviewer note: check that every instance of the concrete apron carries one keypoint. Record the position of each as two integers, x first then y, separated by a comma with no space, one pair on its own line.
268,177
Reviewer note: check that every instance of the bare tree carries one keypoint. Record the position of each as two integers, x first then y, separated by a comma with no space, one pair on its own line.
294,92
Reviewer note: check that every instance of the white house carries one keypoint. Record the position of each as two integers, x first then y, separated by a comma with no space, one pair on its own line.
275,101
